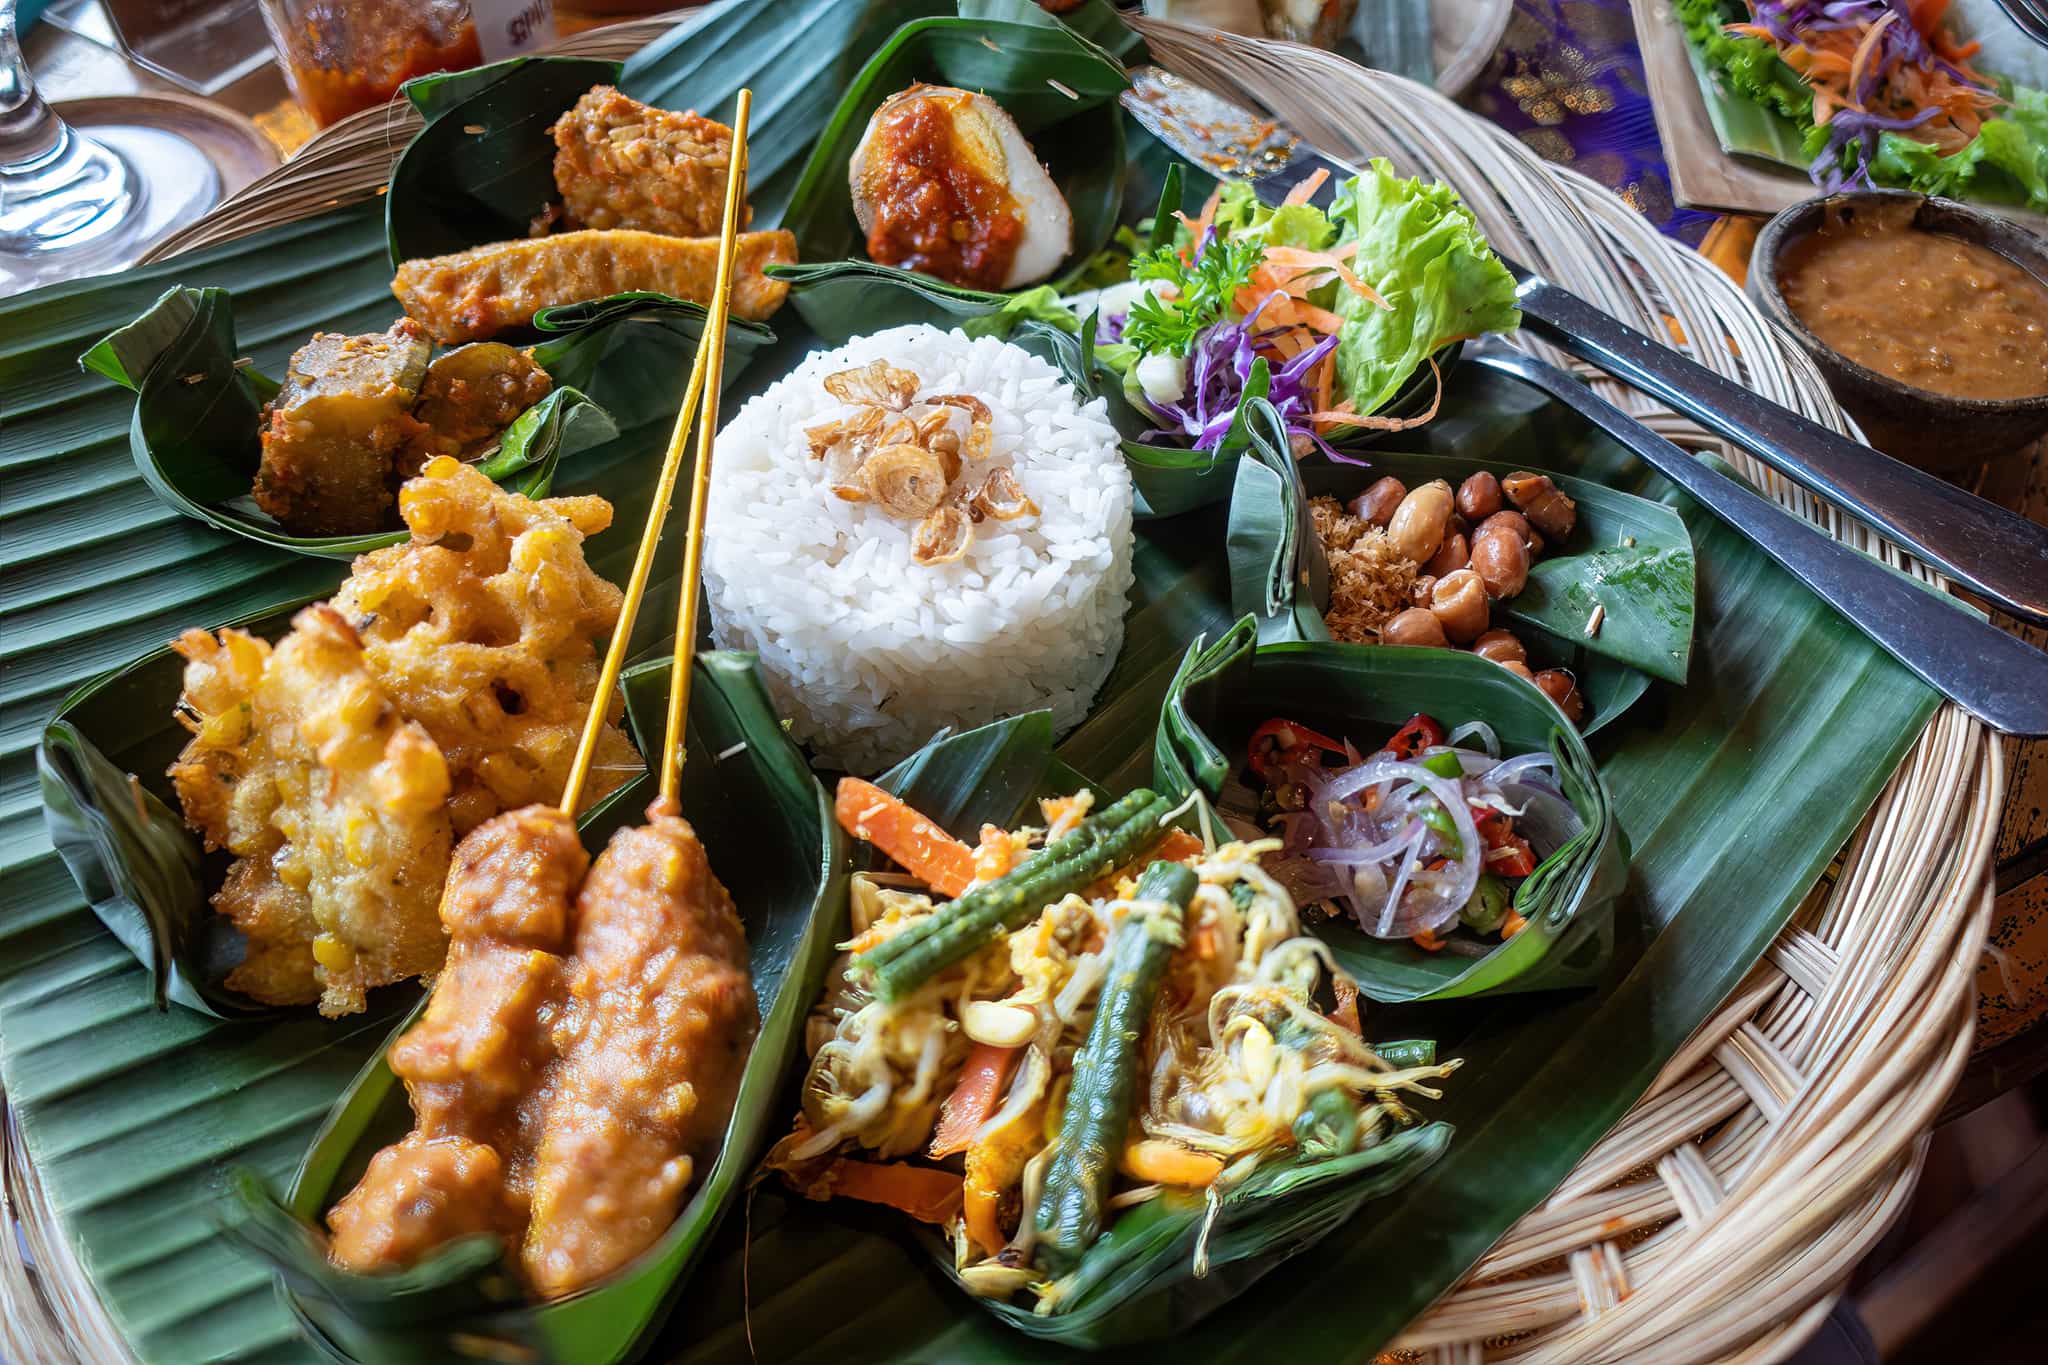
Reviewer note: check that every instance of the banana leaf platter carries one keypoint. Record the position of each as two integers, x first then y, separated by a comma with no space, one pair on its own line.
1356,692
1138,1281
769,829
199,407
1630,557
1733,793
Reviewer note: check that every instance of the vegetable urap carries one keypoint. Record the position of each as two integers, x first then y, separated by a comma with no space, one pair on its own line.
1106,1012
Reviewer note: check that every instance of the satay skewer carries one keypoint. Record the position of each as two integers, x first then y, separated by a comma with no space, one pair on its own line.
705,373
673,732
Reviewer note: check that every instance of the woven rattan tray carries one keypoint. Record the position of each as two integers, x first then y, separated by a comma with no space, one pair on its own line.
1720,1218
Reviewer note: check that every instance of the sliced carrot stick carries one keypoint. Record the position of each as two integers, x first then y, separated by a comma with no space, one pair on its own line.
1178,846
926,852
927,1195
1305,189
1156,1162
979,1091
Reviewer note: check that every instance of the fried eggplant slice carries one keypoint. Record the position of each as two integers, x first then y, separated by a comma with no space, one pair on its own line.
331,433
470,395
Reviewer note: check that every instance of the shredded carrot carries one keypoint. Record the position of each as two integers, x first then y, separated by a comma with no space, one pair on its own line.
1513,924
927,1195
1199,224
1427,940
975,1098
926,852
866,939
1157,1162
1062,813
994,1166
995,854
1305,189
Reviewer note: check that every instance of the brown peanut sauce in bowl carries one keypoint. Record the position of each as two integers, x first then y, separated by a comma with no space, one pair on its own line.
1921,308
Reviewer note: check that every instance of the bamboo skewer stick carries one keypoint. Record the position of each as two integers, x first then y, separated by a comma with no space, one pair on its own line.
673,734
705,372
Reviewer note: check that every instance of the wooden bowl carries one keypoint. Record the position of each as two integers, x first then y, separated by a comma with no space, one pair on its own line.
1936,431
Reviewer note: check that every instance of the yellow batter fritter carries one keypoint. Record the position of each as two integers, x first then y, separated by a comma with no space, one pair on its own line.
446,681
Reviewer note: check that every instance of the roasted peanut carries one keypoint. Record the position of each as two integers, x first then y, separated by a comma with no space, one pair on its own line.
1425,584
1518,668
1542,502
1377,503
1500,559
1417,529
1451,556
1514,521
1460,606
1415,626
1501,647
1479,497
1561,687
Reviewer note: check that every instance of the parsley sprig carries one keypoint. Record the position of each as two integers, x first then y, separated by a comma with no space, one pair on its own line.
1204,288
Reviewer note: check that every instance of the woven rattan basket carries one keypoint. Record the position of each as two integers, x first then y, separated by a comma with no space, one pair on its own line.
1720,1218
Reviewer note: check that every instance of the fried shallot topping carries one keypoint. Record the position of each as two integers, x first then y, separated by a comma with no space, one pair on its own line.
905,454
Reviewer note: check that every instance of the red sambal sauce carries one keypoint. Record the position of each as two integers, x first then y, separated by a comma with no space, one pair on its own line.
383,49
935,211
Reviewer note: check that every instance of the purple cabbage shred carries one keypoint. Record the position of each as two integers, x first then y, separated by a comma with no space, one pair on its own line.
1219,367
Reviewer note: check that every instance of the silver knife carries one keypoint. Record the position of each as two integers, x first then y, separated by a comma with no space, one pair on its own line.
2004,557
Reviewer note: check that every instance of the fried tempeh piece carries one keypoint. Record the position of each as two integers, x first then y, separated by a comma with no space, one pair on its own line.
623,164
478,293
660,1017
471,1060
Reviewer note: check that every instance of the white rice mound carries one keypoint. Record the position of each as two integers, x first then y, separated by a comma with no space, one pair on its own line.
869,654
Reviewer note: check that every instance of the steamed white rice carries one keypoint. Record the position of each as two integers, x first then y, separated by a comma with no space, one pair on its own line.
868,653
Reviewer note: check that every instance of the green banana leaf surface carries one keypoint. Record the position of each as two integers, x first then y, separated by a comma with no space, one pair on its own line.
768,828
1362,694
1733,792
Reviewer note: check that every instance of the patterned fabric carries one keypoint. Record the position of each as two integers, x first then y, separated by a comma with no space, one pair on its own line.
1568,81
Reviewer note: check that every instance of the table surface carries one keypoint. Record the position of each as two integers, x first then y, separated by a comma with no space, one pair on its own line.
1568,80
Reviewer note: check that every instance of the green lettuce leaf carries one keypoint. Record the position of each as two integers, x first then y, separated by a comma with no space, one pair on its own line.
2007,160
1423,250
1240,214
1750,65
